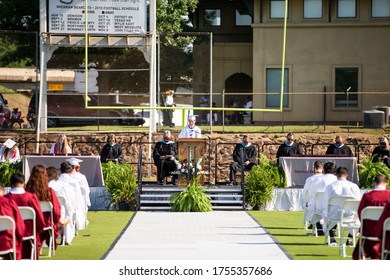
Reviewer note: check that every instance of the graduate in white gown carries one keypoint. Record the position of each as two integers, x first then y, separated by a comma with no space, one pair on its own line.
83,182
62,188
190,130
66,171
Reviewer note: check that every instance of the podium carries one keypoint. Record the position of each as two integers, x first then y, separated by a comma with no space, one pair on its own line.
188,144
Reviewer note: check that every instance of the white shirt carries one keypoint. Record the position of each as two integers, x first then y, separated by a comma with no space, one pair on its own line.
83,182
52,149
341,187
8,157
188,132
169,100
313,185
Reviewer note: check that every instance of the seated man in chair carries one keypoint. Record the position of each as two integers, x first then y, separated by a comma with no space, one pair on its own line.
164,155
248,159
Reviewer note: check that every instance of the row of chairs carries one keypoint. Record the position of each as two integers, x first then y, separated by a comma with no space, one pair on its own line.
28,214
348,221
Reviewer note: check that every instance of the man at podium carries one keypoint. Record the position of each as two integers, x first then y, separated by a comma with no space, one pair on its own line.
190,130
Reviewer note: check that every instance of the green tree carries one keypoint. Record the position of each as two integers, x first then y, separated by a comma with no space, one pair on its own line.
17,48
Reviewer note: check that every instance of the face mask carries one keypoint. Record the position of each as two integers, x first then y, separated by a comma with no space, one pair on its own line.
288,143
112,144
167,139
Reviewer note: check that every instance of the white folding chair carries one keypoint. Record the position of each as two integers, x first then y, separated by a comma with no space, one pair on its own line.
48,207
349,220
85,208
317,213
62,201
386,229
28,213
372,213
7,223
334,201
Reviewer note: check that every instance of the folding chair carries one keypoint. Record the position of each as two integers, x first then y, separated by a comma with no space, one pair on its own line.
29,214
386,229
7,223
85,208
349,221
317,213
334,201
47,207
62,201
368,213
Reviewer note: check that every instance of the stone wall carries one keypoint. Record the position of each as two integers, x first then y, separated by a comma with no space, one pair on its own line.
221,147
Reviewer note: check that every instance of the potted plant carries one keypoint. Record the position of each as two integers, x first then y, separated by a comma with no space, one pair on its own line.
261,181
368,170
193,199
120,182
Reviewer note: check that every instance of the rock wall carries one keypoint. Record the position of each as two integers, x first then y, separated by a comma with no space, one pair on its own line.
220,148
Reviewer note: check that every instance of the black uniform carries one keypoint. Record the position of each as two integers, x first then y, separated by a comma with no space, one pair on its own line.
111,153
288,151
381,154
249,154
165,166
336,150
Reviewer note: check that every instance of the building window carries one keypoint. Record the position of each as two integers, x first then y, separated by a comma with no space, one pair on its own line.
346,78
212,17
346,8
277,8
273,79
243,18
312,9
380,8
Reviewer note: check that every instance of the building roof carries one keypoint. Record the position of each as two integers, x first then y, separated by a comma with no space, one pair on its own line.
30,75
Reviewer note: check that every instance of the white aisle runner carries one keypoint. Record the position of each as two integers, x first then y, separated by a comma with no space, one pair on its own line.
195,236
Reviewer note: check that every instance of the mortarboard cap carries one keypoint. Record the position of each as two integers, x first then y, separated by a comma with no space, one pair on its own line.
191,118
9,143
74,161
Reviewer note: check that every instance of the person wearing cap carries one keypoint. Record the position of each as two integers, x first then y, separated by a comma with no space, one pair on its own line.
164,155
61,146
83,182
112,151
9,152
168,114
244,155
66,172
190,130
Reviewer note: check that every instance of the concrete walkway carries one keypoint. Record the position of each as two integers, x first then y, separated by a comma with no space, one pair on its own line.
195,236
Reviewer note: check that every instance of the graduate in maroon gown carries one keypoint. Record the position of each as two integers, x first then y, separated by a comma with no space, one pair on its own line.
382,219
23,198
38,184
379,196
9,208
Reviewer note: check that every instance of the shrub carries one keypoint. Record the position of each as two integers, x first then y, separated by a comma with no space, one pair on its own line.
121,183
368,170
7,169
261,181
193,199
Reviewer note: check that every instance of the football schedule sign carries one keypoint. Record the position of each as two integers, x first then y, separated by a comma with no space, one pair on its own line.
104,16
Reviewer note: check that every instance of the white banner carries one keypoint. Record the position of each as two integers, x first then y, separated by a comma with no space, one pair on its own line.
298,169
104,16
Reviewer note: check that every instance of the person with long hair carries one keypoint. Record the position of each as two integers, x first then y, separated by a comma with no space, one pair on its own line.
9,152
61,146
39,185
23,198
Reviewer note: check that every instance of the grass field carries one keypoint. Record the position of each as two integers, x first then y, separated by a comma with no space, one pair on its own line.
285,226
